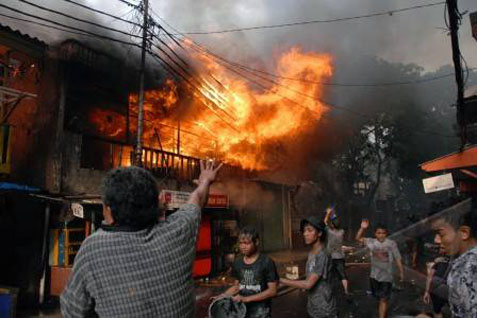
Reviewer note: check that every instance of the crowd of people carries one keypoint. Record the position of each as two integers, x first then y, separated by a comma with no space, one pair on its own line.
140,265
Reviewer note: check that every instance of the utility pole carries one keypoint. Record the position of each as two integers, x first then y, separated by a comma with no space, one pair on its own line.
453,13
140,113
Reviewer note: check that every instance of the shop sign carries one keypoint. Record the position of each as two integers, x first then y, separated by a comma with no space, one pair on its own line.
78,210
174,199
439,183
217,201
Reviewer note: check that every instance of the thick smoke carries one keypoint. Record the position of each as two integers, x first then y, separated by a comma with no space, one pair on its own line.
409,37
399,47
415,36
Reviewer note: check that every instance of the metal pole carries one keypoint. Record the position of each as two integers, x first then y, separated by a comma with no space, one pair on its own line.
44,254
140,114
456,56
179,137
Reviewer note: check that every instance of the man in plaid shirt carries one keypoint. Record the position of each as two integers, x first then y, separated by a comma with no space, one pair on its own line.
135,265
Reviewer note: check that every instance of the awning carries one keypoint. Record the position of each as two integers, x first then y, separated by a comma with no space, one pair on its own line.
466,158
17,187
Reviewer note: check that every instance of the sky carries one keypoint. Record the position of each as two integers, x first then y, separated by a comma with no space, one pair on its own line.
416,36
409,37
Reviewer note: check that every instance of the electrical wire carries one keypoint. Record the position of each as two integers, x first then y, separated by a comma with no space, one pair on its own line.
337,84
78,19
45,25
398,83
293,24
103,13
170,67
332,105
69,27
353,112
135,6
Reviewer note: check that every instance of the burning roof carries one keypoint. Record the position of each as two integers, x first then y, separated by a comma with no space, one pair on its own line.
6,32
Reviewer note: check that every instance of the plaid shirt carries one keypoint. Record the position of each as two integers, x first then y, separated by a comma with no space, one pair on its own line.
146,273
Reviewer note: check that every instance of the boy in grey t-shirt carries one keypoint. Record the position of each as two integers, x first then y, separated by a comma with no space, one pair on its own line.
321,302
383,252
335,247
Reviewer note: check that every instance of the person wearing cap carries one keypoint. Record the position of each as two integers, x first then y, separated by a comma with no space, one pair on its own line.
335,247
321,302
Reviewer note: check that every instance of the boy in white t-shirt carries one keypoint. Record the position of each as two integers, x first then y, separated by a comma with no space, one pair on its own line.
383,252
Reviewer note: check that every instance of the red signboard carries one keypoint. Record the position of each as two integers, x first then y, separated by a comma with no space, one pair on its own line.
218,201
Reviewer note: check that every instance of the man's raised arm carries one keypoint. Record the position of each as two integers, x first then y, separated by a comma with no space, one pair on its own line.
328,217
207,176
362,229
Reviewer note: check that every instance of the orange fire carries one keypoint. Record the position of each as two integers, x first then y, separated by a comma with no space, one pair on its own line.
232,118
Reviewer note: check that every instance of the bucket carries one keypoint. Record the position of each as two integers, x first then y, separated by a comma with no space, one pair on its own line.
227,308
8,301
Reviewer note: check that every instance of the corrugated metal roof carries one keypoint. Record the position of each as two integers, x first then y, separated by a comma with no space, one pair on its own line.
27,37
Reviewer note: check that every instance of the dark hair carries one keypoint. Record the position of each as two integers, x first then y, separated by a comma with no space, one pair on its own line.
336,222
457,219
317,224
251,232
381,226
132,195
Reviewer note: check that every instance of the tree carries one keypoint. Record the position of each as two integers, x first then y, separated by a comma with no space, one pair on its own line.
366,157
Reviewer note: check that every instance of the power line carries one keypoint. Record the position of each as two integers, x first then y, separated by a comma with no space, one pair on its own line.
136,6
166,65
293,101
332,105
228,61
168,47
78,19
198,49
293,24
45,25
103,13
70,27
337,84
398,83
171,70
170,67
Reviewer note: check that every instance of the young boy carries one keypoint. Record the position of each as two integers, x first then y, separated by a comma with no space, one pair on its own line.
383,252
335,247
456,234
256,276
321,302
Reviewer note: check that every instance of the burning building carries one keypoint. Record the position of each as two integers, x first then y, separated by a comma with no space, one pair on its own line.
70,114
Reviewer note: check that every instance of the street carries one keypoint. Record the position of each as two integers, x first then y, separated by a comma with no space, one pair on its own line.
406,299
291,303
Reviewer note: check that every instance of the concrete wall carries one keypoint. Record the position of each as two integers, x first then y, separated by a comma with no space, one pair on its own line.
267,208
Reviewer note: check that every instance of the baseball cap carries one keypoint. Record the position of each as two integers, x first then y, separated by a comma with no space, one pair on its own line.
314,221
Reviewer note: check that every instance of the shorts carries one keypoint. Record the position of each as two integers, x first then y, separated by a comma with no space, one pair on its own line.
338,268
380,290
437,303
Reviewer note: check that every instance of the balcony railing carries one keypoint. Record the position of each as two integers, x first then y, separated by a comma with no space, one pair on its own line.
168,164
101,154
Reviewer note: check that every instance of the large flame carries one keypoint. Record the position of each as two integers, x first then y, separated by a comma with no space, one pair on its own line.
239,120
